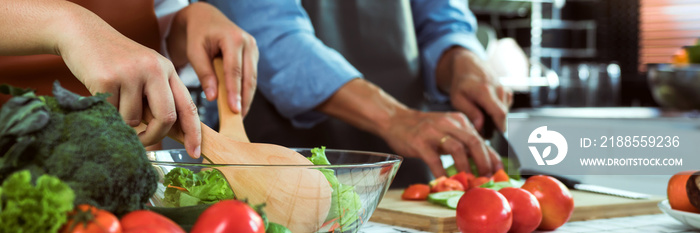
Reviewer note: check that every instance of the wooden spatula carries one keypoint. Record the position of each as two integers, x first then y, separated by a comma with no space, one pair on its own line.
230,123
296,197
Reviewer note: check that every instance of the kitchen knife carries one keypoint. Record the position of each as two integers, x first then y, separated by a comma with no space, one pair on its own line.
577,185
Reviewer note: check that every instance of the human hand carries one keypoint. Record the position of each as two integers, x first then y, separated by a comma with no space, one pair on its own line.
107,62
427,135
198,34
473,88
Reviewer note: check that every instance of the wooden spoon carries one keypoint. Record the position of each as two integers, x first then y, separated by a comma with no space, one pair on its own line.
230,123
296,197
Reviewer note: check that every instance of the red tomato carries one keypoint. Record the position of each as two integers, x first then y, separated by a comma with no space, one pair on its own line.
500,176
527,214
483,210
89,219
479,181
464,178
229,216
148,221
555,200
446,184
416,192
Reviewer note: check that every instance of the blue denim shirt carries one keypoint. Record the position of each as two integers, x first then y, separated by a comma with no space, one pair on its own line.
297,72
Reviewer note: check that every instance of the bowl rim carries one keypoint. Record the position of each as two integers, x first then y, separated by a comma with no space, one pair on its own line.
392,159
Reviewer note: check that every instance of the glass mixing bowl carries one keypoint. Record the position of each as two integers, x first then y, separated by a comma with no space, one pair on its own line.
363,179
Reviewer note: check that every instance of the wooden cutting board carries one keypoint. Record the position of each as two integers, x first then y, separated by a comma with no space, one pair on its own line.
425,216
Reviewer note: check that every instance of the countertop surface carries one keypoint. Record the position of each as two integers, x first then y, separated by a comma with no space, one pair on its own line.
641,223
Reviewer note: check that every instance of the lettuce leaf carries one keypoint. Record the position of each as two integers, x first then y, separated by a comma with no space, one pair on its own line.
185,188
345,203
26,207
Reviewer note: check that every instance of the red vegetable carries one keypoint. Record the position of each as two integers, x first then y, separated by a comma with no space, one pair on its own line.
483,210
144,221
479,181
229,216
416,192
527,214
443,184
89,219
555,199
500,176
464,178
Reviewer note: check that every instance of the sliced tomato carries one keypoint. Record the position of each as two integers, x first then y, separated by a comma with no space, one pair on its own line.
500,176
416,192
479,181
89,219
229,216
147,221
443,184
464,178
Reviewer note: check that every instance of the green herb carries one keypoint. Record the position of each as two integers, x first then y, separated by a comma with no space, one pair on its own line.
185,188
81,140
25,207
345,203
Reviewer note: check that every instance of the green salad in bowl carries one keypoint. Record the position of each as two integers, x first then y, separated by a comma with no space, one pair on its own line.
358,181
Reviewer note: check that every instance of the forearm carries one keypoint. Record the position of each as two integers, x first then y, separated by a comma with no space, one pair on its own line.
45,27
365,106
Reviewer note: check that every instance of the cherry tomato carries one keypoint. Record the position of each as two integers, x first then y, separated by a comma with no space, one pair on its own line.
464,178
89,219
145,221
229,216
500,176
555,200
527,214
483,210
416,192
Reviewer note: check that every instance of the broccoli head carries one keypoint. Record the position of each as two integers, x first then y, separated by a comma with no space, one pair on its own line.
81,140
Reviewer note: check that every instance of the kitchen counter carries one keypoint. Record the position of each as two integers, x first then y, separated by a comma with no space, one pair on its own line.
641,223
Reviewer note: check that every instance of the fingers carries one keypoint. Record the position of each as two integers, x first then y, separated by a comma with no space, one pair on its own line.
233,71
161,103
130,99
495,159
201,63
432,159
475,115
463,141
250,75
188,119
454,147
488,99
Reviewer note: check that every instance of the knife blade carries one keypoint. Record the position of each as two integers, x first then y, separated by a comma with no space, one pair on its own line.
577,185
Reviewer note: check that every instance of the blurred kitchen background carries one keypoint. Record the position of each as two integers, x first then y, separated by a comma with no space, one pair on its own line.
593,53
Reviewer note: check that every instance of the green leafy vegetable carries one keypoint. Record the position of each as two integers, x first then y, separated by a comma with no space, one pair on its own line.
25,207
81,140
185,188
276,228
345,203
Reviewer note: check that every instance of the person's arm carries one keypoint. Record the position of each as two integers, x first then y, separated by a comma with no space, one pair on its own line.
452,59
104,61
297,71
411,133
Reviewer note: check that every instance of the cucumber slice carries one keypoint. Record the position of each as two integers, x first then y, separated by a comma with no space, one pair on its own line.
452,202
442,197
